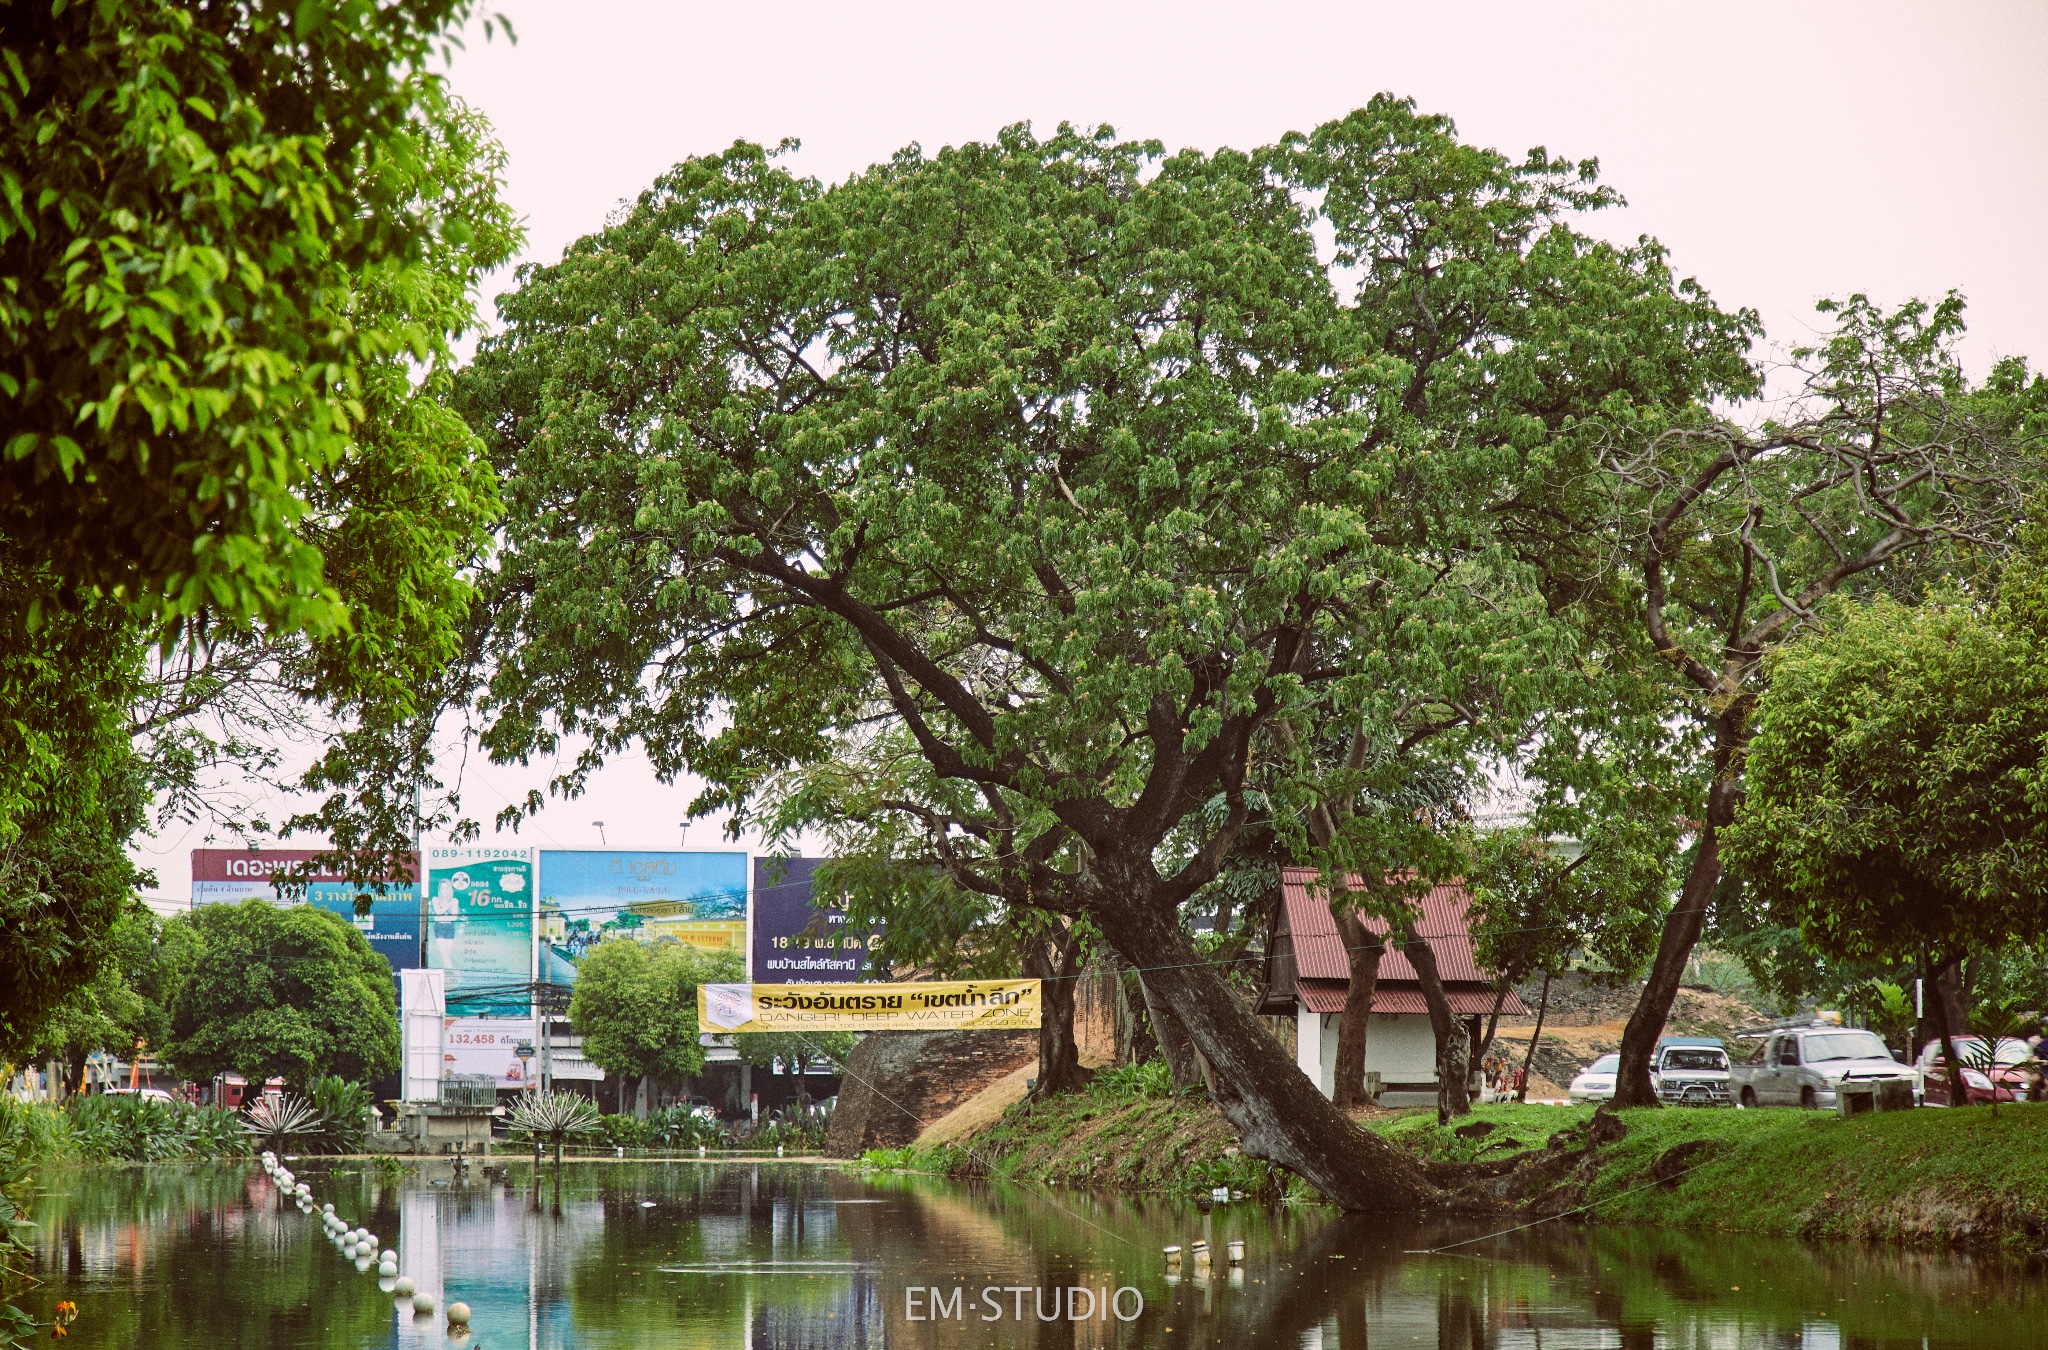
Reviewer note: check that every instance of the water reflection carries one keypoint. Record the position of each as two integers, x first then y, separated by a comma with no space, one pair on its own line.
798,1257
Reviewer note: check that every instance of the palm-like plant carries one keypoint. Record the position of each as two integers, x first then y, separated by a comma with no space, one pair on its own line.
553,1116
279,1120
1997,1025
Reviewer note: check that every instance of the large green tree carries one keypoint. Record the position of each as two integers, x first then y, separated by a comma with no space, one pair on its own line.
1071,460
294,993
635,1006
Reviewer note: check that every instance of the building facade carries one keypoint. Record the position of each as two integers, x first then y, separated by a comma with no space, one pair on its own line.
1308,975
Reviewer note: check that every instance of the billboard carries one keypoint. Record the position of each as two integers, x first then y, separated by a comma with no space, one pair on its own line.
588,895
926,1005
222,876
480,928
801,937
488,1045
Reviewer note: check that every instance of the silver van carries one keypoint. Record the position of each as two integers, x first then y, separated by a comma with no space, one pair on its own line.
1803,1066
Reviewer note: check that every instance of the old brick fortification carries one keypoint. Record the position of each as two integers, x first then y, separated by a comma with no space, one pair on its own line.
897,1082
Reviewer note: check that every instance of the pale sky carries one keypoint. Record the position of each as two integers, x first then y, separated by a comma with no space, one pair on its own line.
1784,152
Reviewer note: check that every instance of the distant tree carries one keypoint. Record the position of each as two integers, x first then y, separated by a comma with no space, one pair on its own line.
794,1050
1896,808
291,993
155,957
635,1006
1889,470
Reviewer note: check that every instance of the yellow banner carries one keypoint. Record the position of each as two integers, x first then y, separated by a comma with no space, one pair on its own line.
926,1005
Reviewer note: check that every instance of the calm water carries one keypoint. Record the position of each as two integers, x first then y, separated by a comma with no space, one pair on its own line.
790,1255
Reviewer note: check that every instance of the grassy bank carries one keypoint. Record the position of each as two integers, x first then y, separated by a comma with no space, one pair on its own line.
1925,1177
1128,1131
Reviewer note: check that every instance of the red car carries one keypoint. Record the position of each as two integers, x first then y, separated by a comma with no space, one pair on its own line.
1979,1088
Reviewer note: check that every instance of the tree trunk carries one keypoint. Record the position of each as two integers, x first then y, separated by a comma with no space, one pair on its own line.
1485,1043
1529,1060
1278,1114
622,1094
1681,933
1364,951
1050,959
1134,1040
640,1099
1943,1008
1683,925
1174,1046
1453,1095
1951,994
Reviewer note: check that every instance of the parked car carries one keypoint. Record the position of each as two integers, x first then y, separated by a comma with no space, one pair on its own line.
1595,1082
1691,1071
147,1093
1930,1071
1802,1066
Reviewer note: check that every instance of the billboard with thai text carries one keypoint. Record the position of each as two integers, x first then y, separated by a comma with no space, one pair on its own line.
480,928
392,925
801,936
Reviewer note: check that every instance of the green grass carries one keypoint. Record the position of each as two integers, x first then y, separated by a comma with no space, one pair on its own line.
1925,1177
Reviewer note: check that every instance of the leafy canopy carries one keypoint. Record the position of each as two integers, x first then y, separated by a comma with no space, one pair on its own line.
205,215
293,993
635,1005
1046,472
1897,805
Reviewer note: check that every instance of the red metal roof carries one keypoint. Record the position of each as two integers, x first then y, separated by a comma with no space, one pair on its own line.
1443,918
1327,996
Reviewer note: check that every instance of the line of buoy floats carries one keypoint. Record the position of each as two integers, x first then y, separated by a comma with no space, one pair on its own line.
360,1245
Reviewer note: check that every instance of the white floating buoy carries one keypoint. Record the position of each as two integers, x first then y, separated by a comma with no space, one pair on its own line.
327,1209
778,1150
422,1303
1237,1251
363,1266
402,1286
700,1150
387,1255
458,1314
387,1269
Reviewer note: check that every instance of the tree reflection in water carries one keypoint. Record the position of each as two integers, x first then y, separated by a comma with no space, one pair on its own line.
791,1256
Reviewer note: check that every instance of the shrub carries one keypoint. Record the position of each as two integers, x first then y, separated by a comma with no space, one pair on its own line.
127,1128
627,1131
347,1108
1150,1079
